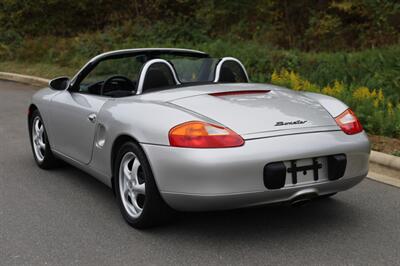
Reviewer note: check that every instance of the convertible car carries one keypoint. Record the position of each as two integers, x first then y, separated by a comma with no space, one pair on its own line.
174,129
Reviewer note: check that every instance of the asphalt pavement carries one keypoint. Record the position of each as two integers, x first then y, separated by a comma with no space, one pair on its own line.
66,217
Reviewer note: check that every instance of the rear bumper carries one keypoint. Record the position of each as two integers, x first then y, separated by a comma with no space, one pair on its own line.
202,202
211,179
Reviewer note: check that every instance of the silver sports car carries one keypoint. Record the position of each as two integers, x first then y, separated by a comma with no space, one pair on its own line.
174,129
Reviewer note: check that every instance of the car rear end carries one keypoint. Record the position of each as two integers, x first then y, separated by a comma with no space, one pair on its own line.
292,147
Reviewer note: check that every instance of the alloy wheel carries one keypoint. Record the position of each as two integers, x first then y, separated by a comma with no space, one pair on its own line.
132,187
38,139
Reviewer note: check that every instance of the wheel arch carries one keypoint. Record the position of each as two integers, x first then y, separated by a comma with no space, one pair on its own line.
31,109
118,142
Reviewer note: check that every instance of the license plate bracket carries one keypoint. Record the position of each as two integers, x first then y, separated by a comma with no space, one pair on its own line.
294,169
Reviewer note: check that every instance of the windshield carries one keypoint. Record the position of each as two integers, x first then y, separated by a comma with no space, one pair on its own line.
188,69
126,69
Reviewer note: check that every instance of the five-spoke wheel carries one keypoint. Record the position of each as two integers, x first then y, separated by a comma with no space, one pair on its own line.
137,194
132,184
40,143
38,139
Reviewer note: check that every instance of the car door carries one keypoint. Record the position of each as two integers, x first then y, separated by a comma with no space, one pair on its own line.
74,122
75,110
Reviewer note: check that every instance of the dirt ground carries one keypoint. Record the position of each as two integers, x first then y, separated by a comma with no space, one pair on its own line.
385,144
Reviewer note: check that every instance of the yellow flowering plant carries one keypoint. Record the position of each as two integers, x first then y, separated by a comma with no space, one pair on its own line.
378,114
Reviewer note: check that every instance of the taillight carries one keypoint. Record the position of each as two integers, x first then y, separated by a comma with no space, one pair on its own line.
197,134
349,122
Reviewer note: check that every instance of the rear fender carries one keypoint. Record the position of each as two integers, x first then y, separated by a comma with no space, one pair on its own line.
334,106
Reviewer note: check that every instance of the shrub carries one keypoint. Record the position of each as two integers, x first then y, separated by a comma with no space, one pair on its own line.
368,80
377,113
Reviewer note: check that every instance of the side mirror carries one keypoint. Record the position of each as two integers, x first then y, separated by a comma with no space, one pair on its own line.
59,84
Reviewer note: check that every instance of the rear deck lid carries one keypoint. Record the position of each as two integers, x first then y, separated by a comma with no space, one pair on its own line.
255,112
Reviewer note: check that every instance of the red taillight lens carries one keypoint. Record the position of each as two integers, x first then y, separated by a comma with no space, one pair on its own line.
197,134
349,122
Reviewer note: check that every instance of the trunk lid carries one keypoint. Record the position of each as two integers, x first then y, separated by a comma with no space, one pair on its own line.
254,115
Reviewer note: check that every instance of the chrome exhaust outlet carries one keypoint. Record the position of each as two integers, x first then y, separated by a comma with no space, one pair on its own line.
303,199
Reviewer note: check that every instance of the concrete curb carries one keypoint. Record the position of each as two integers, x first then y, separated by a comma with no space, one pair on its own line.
386,160
384,179
31,80
390,161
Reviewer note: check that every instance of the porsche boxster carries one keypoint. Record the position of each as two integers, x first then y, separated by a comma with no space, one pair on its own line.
175,129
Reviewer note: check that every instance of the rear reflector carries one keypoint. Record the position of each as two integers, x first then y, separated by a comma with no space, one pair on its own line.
227,93
336,166
275,175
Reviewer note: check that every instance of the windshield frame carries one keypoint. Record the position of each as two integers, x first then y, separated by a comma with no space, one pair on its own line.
150,53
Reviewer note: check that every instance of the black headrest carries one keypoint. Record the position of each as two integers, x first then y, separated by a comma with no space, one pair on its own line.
226,75
158,75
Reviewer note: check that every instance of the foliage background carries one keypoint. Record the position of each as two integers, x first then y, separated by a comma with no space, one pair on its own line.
319,43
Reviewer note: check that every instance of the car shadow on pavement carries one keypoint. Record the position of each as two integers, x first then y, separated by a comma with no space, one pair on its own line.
273,221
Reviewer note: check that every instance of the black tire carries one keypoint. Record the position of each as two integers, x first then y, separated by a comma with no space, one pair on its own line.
154,210
49,160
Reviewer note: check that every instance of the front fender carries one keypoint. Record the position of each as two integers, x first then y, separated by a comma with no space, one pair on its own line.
42,100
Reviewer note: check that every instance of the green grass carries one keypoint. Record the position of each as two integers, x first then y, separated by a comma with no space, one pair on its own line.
43,70
52,56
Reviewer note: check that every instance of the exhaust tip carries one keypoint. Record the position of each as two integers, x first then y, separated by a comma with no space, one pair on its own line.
303,199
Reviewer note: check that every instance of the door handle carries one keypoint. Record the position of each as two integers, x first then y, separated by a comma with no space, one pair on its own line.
92,118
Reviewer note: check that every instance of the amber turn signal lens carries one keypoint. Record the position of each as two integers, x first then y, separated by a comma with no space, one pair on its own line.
197,134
